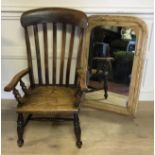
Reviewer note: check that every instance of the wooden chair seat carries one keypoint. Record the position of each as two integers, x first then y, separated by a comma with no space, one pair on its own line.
49,99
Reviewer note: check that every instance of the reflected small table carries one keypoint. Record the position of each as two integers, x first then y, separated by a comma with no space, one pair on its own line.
103,66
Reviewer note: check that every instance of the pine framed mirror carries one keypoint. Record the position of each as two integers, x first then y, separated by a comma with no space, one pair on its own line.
115,48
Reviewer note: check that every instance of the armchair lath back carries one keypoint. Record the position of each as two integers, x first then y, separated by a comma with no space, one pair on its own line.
54,38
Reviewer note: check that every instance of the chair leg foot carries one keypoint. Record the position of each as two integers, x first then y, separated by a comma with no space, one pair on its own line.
20,129
20,142
79,144
106,95
77,131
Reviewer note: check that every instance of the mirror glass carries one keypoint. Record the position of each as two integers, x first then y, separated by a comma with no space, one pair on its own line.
111,55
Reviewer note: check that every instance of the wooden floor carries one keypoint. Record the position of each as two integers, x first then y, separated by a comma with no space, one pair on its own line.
103,133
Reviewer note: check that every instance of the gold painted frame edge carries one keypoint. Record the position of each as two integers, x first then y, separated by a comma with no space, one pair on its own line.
140,28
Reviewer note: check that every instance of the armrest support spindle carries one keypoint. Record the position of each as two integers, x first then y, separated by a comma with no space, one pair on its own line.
17,95
24,88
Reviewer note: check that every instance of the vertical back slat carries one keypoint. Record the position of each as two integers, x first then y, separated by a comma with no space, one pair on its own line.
70,55
35,28
29,57
79,54
46,53
62,53
54,51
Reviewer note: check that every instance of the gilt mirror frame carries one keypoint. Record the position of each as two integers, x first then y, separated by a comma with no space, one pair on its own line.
140,29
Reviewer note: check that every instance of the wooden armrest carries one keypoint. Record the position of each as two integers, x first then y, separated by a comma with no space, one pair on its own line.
82,80
16,79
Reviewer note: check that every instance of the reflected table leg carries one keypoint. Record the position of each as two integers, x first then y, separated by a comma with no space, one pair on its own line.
105,86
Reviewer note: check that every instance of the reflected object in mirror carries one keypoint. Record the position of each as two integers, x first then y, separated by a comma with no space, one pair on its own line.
111,55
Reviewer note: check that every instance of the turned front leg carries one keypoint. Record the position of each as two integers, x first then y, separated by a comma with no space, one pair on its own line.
20,129
77,130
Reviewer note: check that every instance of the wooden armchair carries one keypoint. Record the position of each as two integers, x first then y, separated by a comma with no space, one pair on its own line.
49,93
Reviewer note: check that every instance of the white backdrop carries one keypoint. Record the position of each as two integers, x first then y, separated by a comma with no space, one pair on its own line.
13,45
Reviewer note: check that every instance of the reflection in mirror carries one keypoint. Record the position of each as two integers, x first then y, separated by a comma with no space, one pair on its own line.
111,55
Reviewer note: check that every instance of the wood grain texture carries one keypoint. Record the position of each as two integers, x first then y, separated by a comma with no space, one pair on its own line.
78,63
16,79
29,57
37,46
62,53
102,132
54,51
70,55
54,15
49,99
40,99
81,80
46,53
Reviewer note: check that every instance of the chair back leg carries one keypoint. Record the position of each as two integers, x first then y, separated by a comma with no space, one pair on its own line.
77,130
